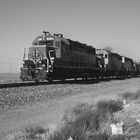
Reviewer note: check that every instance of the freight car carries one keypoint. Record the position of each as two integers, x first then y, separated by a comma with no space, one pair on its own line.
55,57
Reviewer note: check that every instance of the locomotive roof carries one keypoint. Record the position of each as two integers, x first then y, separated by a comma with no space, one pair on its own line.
82,45
128,59
36,40
65,40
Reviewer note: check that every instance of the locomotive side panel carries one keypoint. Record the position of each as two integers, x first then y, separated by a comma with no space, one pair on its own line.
76,60
82,55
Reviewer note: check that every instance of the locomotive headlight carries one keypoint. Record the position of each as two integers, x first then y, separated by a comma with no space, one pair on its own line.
23,62
43,38
39,62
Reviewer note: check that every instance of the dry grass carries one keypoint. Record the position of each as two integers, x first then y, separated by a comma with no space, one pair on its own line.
130,116
13,97
33,132
117,137
111,106
132,95
87,122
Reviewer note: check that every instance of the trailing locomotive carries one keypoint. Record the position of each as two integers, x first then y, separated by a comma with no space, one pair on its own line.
113,64
55,57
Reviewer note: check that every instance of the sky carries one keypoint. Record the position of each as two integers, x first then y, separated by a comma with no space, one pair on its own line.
100,23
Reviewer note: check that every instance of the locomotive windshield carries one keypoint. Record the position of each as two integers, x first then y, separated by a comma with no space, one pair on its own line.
48,43
43,41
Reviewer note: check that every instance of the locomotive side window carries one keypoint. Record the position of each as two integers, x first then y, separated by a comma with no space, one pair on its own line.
52,53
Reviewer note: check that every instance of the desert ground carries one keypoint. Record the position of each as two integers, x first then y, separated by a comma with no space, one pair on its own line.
44,105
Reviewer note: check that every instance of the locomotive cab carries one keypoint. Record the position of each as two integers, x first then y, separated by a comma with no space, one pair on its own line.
103,56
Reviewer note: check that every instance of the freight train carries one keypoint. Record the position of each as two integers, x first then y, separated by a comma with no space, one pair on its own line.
53,57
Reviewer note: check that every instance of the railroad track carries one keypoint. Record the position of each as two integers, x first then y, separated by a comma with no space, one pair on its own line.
10,85
25,84
70,81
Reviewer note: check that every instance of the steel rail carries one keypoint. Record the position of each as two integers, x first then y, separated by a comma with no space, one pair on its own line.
11,85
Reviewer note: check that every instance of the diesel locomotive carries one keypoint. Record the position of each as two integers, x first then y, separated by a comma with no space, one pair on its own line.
53,57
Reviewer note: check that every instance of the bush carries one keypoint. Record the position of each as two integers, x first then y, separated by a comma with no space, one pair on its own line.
32,131
88,123
110,106
131,96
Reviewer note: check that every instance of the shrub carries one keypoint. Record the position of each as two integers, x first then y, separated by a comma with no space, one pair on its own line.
110,106
131,96
88,123
32,131
76,111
